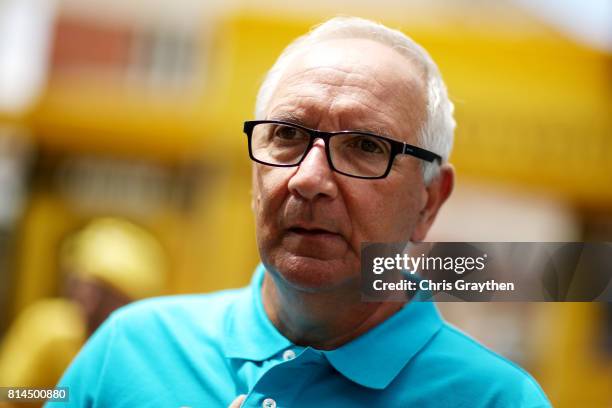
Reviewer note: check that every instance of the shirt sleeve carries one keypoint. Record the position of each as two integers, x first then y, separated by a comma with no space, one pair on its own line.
83,376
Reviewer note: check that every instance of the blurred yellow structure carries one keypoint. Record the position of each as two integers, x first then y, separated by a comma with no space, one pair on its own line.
533,109
41,343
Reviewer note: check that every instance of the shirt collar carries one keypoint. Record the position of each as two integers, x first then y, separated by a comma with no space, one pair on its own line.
372,360
376,357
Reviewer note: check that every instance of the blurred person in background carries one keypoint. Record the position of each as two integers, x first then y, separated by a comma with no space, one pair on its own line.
352,143
107,264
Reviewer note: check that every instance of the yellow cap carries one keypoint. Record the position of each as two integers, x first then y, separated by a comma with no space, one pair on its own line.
118,253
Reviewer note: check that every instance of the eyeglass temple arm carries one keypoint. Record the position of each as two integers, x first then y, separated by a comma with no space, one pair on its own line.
421,153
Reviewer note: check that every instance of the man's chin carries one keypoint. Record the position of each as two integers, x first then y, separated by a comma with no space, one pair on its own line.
314,244
312,274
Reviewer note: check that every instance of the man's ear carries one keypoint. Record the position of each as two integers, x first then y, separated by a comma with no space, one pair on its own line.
438,191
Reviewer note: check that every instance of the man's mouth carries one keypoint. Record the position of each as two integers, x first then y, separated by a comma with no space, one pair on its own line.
310,231
314,241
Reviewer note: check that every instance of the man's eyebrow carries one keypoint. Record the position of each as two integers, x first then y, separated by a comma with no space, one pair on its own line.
375,130
288,117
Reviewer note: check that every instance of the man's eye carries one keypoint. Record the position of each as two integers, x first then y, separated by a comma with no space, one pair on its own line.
287,133
366,145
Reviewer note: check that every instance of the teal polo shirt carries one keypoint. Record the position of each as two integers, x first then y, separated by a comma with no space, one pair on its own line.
204,350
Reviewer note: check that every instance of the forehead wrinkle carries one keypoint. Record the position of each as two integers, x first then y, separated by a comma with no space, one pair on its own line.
355,79
351,107
305,116
394,84
370,117
328,87
370,123
411,77
295,110
338,91
306,71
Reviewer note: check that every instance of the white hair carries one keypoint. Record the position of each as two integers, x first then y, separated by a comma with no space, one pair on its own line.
436,134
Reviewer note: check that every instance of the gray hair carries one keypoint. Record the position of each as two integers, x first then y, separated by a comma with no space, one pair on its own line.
436,134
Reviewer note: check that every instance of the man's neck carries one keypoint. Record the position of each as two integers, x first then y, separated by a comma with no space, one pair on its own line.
321,320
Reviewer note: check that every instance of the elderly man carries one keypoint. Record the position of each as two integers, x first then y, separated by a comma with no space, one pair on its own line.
354,133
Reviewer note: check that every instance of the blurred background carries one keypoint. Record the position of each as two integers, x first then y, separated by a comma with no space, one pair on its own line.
120,127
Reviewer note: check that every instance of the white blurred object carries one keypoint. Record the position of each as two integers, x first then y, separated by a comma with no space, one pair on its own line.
25,36
488,212
587,21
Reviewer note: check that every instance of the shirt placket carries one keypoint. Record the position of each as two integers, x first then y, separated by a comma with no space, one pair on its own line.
278,387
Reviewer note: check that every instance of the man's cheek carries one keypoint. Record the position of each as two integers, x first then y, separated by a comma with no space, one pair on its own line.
277,179
256,186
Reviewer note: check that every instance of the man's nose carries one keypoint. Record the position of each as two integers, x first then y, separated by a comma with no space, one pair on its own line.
313,176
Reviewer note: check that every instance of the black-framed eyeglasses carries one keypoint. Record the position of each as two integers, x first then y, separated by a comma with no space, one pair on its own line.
352,153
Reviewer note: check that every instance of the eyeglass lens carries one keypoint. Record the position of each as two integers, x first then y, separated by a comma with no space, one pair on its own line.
351,153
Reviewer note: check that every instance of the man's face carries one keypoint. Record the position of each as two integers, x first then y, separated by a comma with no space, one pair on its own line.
310,220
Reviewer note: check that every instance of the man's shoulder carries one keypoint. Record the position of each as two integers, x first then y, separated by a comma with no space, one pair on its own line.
478,369
153,343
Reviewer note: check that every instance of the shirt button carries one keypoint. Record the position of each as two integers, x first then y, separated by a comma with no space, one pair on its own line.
268,403
288,355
